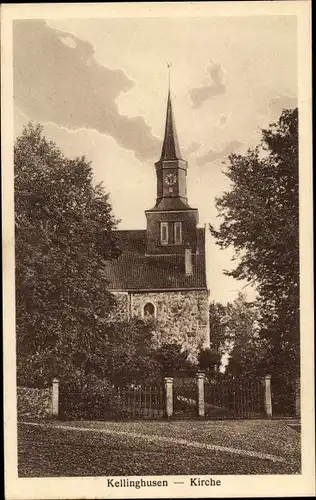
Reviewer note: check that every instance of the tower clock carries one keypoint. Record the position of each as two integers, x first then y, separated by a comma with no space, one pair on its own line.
170,179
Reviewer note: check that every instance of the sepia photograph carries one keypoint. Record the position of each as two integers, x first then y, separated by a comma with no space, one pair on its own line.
157,258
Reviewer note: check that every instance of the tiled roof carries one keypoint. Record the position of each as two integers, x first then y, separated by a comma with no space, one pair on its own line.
170,203
133,270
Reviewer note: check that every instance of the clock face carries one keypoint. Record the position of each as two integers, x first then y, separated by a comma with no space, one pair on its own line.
170,179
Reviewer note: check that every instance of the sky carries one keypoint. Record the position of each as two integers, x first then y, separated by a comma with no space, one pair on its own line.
99,87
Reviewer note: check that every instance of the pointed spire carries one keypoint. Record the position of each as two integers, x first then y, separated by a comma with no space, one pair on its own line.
169,76
170,147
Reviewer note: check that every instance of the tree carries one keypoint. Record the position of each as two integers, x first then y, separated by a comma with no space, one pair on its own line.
129,355
235,335
172,358
218,319
209,359
246,349
260,220
63,235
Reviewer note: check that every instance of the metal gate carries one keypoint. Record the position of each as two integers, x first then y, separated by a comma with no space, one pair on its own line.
132,402
234,399
185,396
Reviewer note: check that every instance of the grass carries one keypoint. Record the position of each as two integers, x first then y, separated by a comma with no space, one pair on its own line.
264,436
52,452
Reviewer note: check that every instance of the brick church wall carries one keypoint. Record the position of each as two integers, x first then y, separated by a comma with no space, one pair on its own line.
180,316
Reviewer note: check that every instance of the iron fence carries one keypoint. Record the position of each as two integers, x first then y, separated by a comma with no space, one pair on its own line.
223,399
234,399
185,396
141,402
134,401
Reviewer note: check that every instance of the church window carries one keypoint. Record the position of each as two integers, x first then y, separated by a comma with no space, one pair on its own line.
164,237
178,233
149,310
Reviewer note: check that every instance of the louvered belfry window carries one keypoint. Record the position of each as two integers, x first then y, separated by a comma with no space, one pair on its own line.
178,233
164,237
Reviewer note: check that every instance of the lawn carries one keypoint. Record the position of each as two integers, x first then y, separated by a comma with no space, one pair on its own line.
49,451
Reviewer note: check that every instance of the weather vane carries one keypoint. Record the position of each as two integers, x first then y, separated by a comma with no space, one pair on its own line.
169,74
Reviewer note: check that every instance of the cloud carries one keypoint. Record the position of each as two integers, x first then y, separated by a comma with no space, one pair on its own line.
199,95
277,104
212,155
57,79
68,41
192,148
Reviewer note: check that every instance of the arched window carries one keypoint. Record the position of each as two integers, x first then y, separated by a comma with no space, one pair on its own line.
149,310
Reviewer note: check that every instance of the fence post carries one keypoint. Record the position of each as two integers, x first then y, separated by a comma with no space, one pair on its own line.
267,396
201,395
55,397
297,398
169,395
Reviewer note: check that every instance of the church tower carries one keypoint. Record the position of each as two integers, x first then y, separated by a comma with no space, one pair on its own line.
171,223
161,272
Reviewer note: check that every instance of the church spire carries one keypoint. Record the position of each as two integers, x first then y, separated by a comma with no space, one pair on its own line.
170,147
171,223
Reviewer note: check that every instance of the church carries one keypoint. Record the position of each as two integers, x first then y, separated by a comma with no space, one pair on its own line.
161,272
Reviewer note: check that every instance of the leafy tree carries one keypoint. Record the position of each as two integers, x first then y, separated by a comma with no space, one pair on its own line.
234,331
63,234
130,356
260,220
172,358
209,361
218,319
246,349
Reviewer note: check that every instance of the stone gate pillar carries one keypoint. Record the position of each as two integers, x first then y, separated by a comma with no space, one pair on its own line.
267,396
55,397
169,396
201,394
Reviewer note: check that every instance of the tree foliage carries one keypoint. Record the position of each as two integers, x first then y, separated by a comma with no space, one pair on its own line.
235,332
172,358
260,219
218,319
63,234
246,349
209,359
129,355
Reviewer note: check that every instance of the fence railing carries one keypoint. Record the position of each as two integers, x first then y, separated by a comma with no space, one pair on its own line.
185,395
179,396
235,399
134,401
142,402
